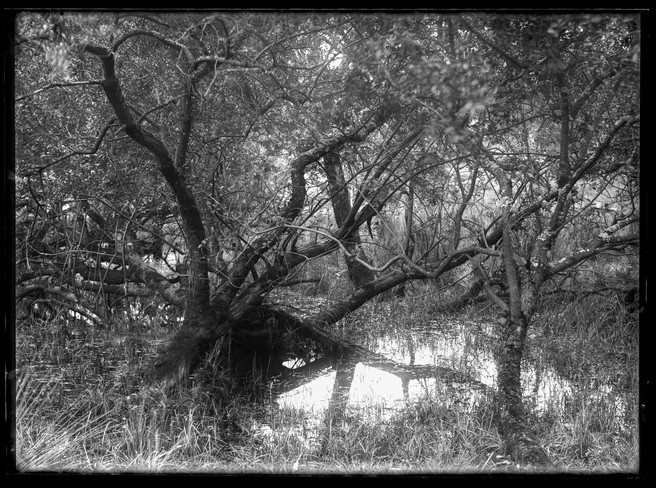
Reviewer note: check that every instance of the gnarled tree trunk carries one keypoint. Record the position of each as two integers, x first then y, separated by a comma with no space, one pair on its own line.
359,274
520,445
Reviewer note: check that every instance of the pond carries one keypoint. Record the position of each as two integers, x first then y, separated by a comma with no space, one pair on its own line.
424,363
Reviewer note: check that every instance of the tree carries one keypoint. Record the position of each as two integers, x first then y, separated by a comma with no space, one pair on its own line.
585,112
220,138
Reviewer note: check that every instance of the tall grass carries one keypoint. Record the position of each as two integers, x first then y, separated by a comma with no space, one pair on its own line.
151,431
593,342
86,410
50,439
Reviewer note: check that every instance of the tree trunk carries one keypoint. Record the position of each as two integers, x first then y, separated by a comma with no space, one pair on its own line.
519,444
509,372
359,274
408,233
197,335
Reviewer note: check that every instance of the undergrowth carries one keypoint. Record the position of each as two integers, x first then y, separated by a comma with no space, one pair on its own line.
80,405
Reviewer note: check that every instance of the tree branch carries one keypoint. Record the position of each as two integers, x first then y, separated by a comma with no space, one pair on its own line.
144,32
606,240
94,150
58,85
271,237
601,148
189,210
489,43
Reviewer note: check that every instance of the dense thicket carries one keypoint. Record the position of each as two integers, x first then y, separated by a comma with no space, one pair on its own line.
206,159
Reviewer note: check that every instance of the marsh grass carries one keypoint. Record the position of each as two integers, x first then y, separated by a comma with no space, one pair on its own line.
592,341
428,434
55,439
80,407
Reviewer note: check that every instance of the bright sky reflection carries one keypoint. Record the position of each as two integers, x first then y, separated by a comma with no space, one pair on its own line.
377,391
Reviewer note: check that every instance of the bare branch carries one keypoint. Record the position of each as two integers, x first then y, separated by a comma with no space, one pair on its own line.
606,240
23,291
156,35
58,85
94,149
601,148
587,93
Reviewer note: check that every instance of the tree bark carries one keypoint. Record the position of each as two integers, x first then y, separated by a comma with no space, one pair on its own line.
519,444
358,273
512,420
408,231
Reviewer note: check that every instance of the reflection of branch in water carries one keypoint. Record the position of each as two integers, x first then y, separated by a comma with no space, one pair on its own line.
416,372
346,365
350,354
297,377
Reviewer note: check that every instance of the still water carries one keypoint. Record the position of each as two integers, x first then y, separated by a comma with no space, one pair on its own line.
375,390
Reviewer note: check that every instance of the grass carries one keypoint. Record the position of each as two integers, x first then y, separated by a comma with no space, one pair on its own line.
593,342
79,407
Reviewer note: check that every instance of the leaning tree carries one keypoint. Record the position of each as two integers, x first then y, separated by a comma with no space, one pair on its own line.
204,159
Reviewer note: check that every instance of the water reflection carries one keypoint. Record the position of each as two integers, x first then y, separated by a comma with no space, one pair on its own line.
428,362
314,396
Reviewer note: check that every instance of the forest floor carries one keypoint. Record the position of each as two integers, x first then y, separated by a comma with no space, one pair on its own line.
78,408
